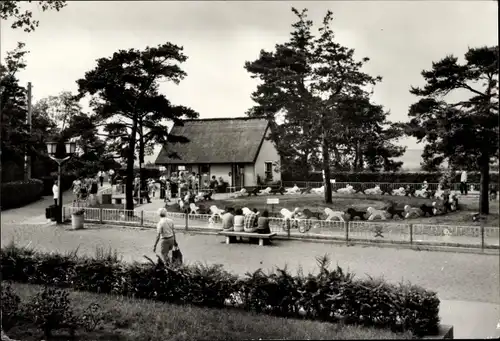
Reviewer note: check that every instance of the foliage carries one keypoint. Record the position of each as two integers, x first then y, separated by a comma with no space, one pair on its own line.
11,9
16,137
446,179
10,306
465,132
370,177
330,295
127,103
51,310
310,87
136,319
92,317
19,193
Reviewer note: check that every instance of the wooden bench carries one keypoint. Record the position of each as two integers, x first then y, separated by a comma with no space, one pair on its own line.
230,235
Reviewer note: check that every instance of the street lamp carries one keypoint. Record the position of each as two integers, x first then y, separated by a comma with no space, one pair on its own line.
70,150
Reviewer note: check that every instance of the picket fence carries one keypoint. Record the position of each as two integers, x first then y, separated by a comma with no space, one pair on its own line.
395,232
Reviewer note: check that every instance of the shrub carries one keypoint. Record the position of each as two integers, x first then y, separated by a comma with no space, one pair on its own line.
20,193
50,310
91,317
330,295
387,177
10,307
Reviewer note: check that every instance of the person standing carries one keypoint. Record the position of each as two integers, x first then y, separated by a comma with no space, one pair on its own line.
100,174
165,235
55,192
463,182
110,176
93,191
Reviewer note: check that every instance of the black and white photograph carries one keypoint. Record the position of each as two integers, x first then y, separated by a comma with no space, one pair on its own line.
249,170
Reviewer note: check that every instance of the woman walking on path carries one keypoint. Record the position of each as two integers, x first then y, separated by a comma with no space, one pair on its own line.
165,235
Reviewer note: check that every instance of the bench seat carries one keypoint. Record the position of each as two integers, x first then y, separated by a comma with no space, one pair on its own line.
256,235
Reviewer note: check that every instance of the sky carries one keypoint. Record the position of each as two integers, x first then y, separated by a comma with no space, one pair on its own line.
401,38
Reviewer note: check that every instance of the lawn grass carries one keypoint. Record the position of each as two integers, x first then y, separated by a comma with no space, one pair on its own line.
133,319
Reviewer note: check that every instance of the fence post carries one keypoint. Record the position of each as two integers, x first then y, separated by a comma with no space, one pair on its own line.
347,231
187,220
100,215
288,223
482,237
411,234
142,218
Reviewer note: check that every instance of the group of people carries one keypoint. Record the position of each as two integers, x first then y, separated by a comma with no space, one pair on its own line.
251,221
183,183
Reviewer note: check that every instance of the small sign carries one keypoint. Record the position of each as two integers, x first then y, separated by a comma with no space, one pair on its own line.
273,201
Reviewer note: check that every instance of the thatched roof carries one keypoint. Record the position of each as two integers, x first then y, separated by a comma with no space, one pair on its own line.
216,140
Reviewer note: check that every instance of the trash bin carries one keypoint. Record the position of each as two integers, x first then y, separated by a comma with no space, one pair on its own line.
106,199
50,212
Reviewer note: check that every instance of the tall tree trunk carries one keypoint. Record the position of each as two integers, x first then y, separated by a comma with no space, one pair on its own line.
484,168
129,183
141,156
361,161
326,169
356,157
304,169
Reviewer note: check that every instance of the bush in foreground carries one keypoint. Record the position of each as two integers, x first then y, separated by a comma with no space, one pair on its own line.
19,193
121,318
329,295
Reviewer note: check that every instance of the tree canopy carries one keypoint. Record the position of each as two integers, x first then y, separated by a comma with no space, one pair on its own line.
308,87
11,10
465,131
127,102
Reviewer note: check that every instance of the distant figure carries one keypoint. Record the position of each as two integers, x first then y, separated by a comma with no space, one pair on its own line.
55,192
100,174
110,176
213,183
463,182
93,187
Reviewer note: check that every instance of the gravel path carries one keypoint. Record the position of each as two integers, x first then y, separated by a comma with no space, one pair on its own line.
455,276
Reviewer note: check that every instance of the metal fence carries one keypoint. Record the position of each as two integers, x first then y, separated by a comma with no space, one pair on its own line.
365,185
372,232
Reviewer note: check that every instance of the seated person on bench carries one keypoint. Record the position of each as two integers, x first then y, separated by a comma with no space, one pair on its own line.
263,223
228,219
250,222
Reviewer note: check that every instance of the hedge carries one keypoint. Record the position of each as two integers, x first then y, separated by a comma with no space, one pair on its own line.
19,193
472,177
329,295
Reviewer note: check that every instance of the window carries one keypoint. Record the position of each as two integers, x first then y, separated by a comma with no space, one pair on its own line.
269,171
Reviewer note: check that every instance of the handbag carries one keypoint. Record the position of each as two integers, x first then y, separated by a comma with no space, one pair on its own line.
176,256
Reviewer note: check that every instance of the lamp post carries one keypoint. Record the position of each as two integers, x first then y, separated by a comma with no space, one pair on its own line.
70,150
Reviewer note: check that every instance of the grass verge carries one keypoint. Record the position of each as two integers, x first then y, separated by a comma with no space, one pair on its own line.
132,319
